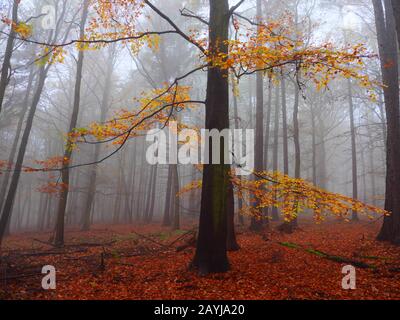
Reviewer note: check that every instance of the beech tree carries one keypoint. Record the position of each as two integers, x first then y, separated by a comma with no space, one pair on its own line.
388,51
270,49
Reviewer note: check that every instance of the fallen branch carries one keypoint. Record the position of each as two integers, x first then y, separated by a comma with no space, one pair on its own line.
30,275
89,244
328,256
182,236
150,239
84,244
190,243
46,243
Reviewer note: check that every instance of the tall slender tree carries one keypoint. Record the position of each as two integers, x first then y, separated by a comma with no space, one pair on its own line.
6,67
105,100
256,220
41,79
353,147
65,173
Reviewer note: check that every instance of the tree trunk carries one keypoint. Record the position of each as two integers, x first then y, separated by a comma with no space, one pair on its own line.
175,197
267,141
6,67
7,210
168,196
371,147
314,147
285,128
65,174
16,139
353,149
211,251
390,74
237,126
231,241
275,215
86,220
289,227
396,12
268,127
256,221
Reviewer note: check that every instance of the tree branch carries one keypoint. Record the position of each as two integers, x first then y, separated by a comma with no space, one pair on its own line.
235,7
106,41
190,14
177,29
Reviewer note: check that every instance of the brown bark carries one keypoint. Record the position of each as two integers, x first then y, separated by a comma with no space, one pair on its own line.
385,25
396,13
211,250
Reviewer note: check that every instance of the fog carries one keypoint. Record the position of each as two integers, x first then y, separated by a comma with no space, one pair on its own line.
122,188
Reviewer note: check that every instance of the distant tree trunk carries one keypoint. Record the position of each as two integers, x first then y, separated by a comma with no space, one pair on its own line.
314,147
86,217
43,71
290,226
267,140
65,173
296,133
177,220
6,214
151,194
285,128
275,157
41,212
6,67
353,148
231,243
321,163
168,196
237,126
371,147
385,25
268,127
16,138
211,251
132,181
256,221
141,195
147,196
364,176
117,202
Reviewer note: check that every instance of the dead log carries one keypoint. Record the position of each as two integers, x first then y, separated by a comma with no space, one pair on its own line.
335,258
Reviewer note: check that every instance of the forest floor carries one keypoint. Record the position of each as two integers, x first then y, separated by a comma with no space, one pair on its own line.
142,262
